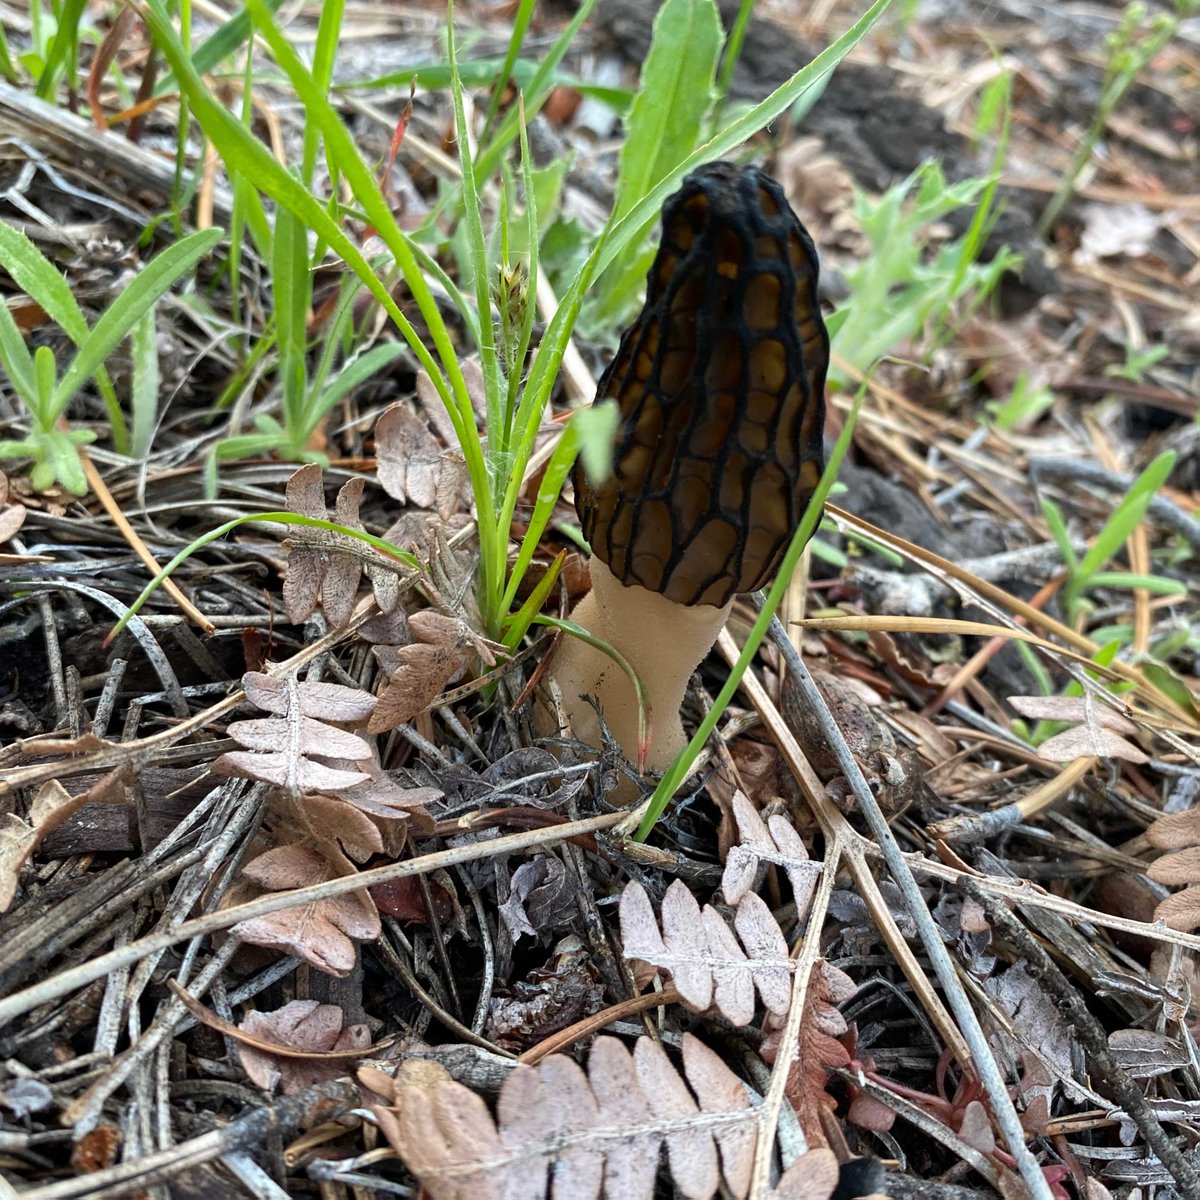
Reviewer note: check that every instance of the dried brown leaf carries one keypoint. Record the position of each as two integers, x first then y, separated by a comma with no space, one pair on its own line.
443,629
17,842
324,701
775,842
976,1129
12,515
321,932
435,410
1177,869
1173,831
408,457
870,1112
286,771
549,998
453,486
1089,742
51,806
1083,709
813,1176
1180,911
706,962
419,673
300,1025
818,1051
308,735
342,826
1098,736
280,747
326,565
391,806
1035,1020
603,1130
436,629
1145,1053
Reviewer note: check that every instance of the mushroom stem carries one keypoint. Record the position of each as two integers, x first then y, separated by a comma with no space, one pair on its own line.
664,640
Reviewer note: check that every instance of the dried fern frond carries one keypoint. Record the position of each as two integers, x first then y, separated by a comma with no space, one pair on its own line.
332,816
774,842
327,566
1178,833
586,1135
702,956
322,932
285,749
820,1051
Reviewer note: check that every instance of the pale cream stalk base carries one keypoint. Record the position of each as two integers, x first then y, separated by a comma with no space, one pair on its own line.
663,641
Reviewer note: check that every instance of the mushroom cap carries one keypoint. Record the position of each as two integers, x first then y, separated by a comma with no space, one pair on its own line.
720,384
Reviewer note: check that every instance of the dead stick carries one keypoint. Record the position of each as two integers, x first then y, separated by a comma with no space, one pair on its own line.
1093,1039
139,547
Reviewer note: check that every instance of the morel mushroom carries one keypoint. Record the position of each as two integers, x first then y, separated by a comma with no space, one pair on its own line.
720,385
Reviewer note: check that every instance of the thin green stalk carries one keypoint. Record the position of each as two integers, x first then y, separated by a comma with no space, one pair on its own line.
536,93
478,249
1129,51
733,52
643,697
324,57
179,187
520,28
272,518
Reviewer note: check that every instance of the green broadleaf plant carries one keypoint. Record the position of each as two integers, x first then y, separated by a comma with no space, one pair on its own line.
47,395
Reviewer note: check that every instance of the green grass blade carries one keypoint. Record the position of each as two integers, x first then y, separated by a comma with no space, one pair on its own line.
520,621
482,72
244,153
542,377
521,21
216,48
1062,536
64,50
1128,515
291,285
591,430
536,91
525,336
357,371
154,280
143,392
67,468
736,132
665,124
733,51
479,268
16,359
329,29
1156,584
341,149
